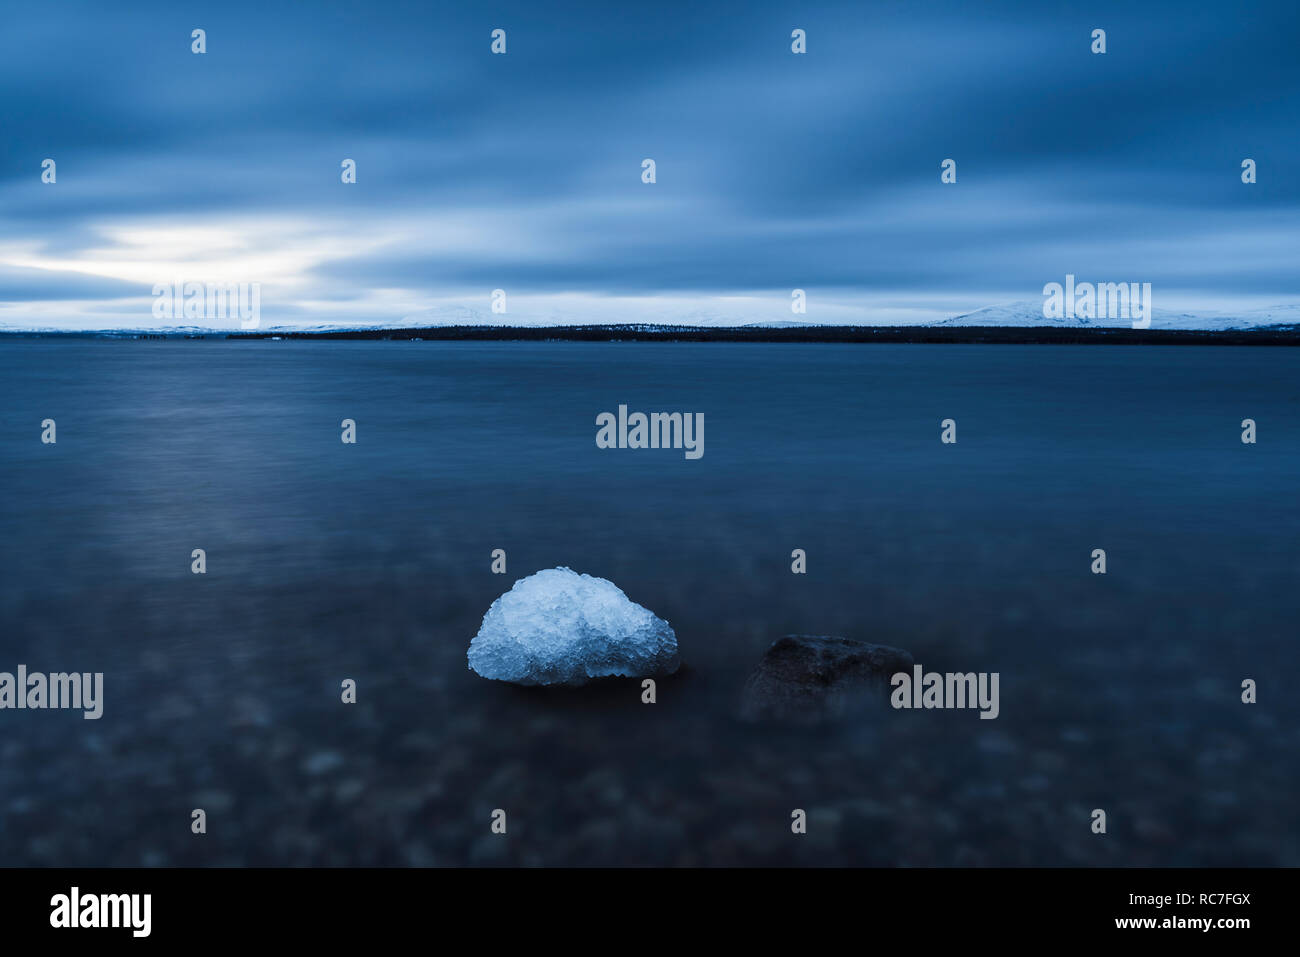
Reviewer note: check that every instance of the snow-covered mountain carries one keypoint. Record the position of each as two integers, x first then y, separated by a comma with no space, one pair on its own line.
1018,314
1030,313
738,312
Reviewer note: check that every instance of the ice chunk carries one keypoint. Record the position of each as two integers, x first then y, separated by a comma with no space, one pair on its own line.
561,628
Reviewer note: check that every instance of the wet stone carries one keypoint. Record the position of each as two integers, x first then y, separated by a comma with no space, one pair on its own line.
813,679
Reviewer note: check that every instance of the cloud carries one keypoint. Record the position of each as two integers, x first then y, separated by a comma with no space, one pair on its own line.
523,171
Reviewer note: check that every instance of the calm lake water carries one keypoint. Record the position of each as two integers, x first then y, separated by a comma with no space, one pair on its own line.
371,561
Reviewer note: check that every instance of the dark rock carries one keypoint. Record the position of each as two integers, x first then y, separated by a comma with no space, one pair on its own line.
810,679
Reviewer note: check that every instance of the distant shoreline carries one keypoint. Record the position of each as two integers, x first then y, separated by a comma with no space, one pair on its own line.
989,335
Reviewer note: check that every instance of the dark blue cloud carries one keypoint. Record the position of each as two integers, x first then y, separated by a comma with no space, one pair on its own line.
774,170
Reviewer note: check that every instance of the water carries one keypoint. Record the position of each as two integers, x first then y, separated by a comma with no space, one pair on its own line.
371,561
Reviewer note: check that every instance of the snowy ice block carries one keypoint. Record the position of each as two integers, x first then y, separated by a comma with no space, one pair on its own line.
561,628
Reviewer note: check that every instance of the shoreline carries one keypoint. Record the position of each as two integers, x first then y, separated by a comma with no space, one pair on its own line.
983,335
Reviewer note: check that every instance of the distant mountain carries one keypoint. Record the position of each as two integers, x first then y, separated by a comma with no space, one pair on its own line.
1030,313
1014,315
1020,314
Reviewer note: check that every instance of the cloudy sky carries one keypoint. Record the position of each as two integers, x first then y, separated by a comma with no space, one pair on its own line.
522,172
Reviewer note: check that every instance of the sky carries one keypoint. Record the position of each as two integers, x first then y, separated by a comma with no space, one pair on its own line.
522,172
